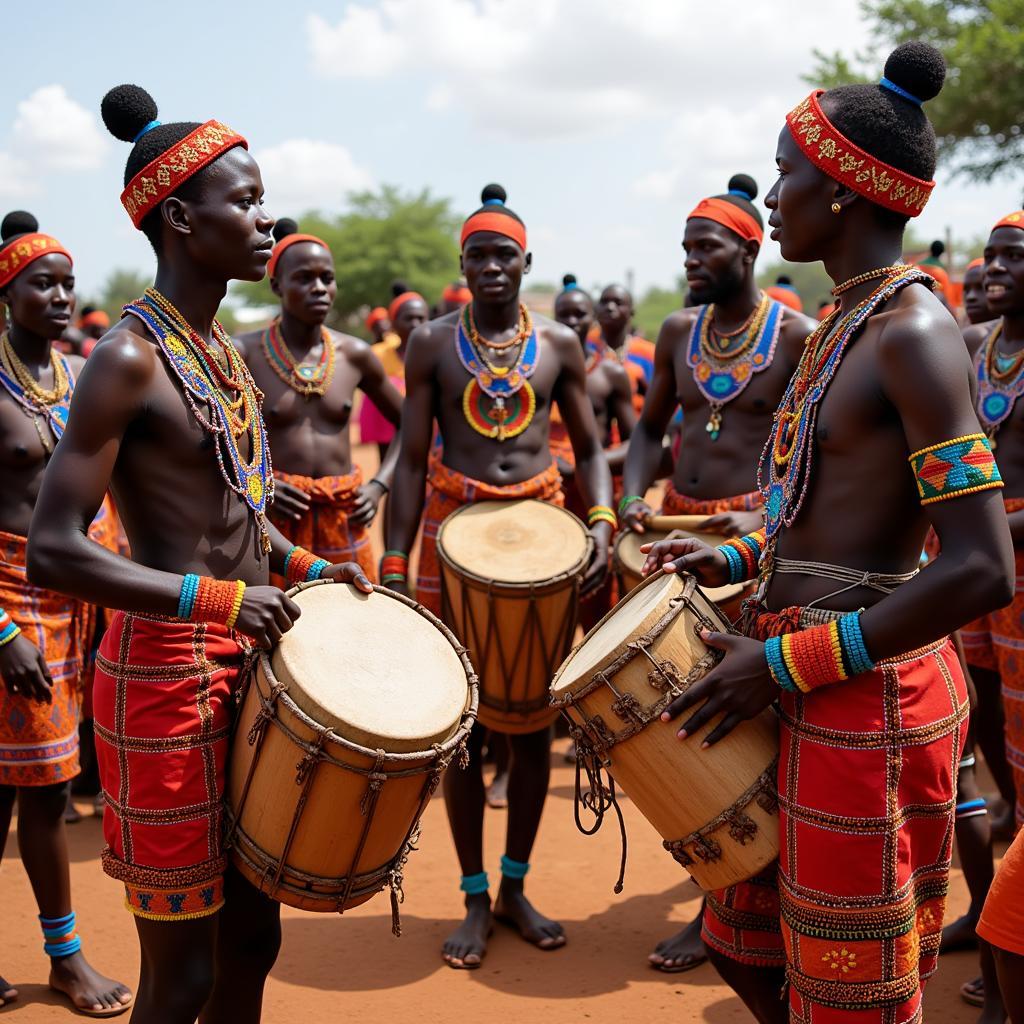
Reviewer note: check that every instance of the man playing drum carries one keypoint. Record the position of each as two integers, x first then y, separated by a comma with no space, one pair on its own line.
875,440
727,362
168,417
489,374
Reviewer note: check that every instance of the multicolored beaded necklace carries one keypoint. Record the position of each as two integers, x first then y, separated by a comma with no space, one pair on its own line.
230,395
513,401
722,372
307,379
784,471
1000,383
48,405
595,352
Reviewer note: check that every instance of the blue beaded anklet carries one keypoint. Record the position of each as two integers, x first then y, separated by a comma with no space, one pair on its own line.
474,885
60,935
514,869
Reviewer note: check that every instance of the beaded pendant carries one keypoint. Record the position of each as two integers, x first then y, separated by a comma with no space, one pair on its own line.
1000,383
721,374
307,379
53,406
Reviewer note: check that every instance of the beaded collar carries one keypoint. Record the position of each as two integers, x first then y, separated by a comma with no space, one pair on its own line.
999,387
55,412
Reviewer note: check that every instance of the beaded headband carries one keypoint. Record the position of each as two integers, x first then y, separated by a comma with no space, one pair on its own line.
399,301
457,293
1011,220
498,223
161,177
730,216
26,249
979,262
377,314
288,241
843,161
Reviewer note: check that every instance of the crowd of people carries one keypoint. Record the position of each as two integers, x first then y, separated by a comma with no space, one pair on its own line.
165,484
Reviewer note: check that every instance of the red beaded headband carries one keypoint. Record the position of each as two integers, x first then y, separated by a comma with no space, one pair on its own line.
377,314
399,301
169,171
20,252
1011,220
499,223
845,162
287,241
730,216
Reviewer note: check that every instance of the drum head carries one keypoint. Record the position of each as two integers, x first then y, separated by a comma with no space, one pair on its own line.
371,668
514,541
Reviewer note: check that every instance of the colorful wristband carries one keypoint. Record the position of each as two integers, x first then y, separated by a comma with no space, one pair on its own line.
394,567
236,606
215,600
302,566
9,629
187,597
601,514
735,560
627,501
749,550
810,658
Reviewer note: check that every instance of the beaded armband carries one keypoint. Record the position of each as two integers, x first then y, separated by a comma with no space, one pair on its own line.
954,468
801,662
743,555
301,566
628,500
204,599
8,628
601,514
394,567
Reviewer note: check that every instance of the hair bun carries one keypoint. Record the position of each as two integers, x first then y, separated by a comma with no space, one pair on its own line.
493,192
784,280
284,227
937,248
743,183
18,222
126,110
569,279
399,287
918,68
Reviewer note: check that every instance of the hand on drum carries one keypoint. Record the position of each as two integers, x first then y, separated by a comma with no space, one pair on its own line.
690,555
734,524
739,686
597,570
348,572
267,613
289,500
637,513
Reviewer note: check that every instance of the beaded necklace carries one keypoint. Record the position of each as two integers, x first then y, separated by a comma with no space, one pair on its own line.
784,470
1000,383
513,401
722,374
595,352
204,380
40,404
307,379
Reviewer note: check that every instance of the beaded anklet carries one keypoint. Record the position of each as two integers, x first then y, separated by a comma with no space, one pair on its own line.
302,566
971,809
474,885
60,935
204,599
801,662
514,869
394,567
601,514
743,555
9,629
627,501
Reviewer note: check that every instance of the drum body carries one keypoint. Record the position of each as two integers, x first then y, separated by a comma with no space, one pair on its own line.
716,809
336,753
510,581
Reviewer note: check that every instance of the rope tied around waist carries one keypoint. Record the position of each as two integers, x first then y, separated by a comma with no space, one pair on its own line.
882,582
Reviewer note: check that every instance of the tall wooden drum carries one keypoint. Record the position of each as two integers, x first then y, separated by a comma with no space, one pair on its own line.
510,582
716,809
342,737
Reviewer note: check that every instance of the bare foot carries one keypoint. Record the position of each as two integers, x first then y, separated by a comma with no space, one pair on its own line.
465,947
973,992
87,989
514,909
497,791
682,952
8,993
959,934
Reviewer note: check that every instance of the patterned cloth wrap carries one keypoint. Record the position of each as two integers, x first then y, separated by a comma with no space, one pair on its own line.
325,529
996,642
449,490
1002,919
867,787
163,703
39,740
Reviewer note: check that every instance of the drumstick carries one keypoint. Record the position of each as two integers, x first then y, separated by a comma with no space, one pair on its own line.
676,522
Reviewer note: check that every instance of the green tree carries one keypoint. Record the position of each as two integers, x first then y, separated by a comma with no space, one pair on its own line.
811,282
121,287
654,306
384,235
979,115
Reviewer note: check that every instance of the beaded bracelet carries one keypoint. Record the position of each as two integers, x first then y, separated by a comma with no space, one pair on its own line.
394,567
743,555
627,501
9,629
187,597
301,566
804,660
601,514
216,601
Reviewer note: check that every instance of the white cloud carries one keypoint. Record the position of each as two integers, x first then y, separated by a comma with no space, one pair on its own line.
308,174
16,181
53,132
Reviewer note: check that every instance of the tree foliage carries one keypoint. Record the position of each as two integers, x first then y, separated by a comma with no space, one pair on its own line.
979,115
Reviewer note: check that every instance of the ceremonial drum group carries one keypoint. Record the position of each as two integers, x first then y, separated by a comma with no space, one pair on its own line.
768,672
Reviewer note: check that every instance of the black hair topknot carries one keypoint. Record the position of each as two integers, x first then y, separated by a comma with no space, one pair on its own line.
399,287
937,248
918,68
743,183
284,227
784,280
568,279
492,192
18,222
126,110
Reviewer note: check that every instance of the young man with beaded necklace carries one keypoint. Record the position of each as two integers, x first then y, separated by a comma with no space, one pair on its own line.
208,938
494,259
844,633
716,472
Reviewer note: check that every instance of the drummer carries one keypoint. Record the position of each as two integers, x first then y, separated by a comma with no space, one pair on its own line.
493,450
308,375
870,734
192,501
752,344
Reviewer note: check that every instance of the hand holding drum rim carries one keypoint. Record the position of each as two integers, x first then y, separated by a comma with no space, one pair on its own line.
289,500
597,570
739,686
637,513
700,560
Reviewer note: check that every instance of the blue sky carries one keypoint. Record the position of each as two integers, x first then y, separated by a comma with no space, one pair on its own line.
606,121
